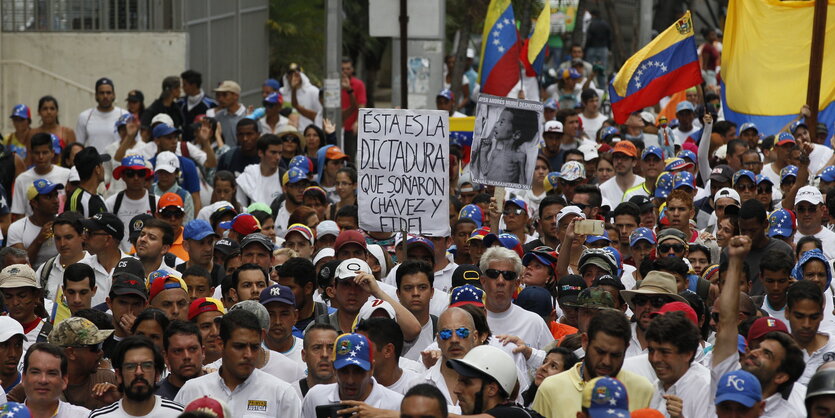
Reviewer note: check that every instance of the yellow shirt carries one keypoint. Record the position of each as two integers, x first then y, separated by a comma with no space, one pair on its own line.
561,395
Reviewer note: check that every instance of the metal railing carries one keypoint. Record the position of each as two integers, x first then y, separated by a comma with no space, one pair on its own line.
90,15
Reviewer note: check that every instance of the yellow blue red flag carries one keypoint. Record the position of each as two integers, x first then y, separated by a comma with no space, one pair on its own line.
666,65
533,50
499,69
765,63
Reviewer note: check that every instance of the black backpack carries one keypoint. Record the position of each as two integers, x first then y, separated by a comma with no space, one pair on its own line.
121,196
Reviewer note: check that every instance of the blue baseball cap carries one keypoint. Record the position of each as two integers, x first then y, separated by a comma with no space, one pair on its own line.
466,294
609,131
784,138
293,175
198,229
518,202
739,386
21,111
535,299
685,105
473,212
605,397
684,179
447,94
544,254
122,121
551,104
595,238
763,179
272,83
788,171
352,350
652,150
676,163
163,129
748,125
686,153
741,344
277,293
663,185
744,173
506,240
302,163
641,233
422,242
828,174
796,124
41,187
14,410
274,98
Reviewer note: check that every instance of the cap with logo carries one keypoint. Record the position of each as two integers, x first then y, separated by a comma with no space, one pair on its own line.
302,163
652,150
744,174
627,148
764,325
553,126
722,173
572,170
169,200
570,210
303,230
641,234
466,295
278,293
259,239
202,305
479,233
226,246
686,154
589,151
21,111
473,212
684,179
739,386
606,396
809,194
352,350
663,185
167,161
18,275
569,288
42,187
293,176
348,269
335,153
781,223
551,104
243,224
507,240
15,410
644,203
676,163
447,94
106,222
132,162
466,274
127,284
788,171
370,307
76,331
136,225
828,174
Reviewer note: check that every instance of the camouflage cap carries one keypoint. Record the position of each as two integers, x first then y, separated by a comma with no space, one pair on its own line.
77,331
594,297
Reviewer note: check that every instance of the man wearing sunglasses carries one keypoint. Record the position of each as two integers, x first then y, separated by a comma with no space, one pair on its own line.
135,199
515,217
671,243
172,211
656,290
809,207
745,183
502,269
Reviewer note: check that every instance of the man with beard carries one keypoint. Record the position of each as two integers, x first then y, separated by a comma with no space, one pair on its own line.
777,362
184,356
624,155
154,241
205,313
487,376
138,364
604,343
318,346
281,304
355,386
243,386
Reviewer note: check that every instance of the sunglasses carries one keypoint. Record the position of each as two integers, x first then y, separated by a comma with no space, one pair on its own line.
667,247
657,301
517,211
172,213
446,333
763,190
805,209
95,348
746,187
507,274
133,173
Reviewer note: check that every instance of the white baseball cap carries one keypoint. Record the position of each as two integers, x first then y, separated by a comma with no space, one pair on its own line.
569,210
167,161
589,151
727,192
349,268
327,228
372,305
553,126
9,328
809,194
162,118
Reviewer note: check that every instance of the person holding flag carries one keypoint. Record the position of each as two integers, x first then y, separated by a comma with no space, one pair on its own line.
499,68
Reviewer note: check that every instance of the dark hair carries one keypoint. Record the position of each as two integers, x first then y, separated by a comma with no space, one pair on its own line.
629,209
693,248
830,200
225,175
319,132
198,271
753,209
192,77
382,331
777,261
323,326
595,198
676,329
456,203
165,227
300,215
225,285
587,95
427,390
40,139
611,323
479,320
462,221
802,290
746,269
414,267
525,123
43,100
150,314
700,308
50,349
197,414
564,114
247,122
807,239
481,198
100,319
573,151
300,269
70,218
66,151
671,264
793,363
247,267
350,172
262,216
348,211
133,342
180,327
236,319
569,360
316,194
77,272
553,200
722,127
266,140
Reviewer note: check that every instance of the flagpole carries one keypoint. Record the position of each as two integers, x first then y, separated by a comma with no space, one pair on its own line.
815,65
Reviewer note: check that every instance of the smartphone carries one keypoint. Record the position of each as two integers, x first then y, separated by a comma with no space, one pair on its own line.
588,227
329,410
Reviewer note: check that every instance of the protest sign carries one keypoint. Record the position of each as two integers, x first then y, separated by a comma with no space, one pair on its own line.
403,171
505,141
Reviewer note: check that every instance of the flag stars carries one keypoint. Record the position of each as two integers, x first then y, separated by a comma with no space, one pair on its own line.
501,49
506,21
496,42
500,25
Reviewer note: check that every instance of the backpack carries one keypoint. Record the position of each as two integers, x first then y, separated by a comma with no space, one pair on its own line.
121,196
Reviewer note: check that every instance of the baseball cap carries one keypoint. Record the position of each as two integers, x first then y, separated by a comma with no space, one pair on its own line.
473,212
748,125
202,305
606,397
243,224
293,176
828,174
569,210
128,284
18,275
572,170
506,240
609,133
9,327
215,407
781,223
136,225
21,111
546,256
421,242
784,138
131,162
135,96
14,410
663,185
447,94
479,233
796,124
302,163
727,192
226,246
274,98
595,238
77,331
567,73
646,413
41,187
168,200
167,161
682,307
335,153
352,350
764,325
551,181
739,386
466,295
535,299
162,118
809,194
676,163
256,308
788,171
327,228
644,203
684,179
198,229
685,105
258,238
350,236
672,233
348,269
466,274
568,288
370,307
228,86
626,147
278,293
163,129
165,282
652,150
593,297
107,222
518,202
551,104
763,179
598,258
589,151
553,126
302,229
744,173
722,173
641,233
687,155
89,156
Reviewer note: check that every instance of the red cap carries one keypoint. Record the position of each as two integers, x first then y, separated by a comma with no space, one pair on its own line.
243,224
646,413
170,199
335,153
202,305
682,307
765,325
626,147
350,236
210,406
164,283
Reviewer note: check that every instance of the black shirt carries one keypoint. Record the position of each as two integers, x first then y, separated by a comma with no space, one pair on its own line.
510,410
235,161
167,390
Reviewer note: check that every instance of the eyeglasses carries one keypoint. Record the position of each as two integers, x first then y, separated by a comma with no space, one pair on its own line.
663,248
763,190
133,173
507,274
805,209
746,187
582,206
517,212
446,333
177,213
147,366
657,301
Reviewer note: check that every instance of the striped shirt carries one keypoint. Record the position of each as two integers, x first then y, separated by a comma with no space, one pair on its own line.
163,408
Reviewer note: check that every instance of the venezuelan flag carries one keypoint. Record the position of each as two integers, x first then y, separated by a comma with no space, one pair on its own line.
666,65
499,69
533,51
765,63
461,134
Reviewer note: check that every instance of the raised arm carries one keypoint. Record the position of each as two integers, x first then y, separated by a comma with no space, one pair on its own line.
726,336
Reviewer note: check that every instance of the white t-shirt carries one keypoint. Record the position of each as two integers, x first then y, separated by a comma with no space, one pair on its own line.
254,187
295,352
592,125
68,410
95,128
259,395
827,238
104,278
128,209
277,365
692,388
20,205
524,324
56,276
613,193
380,397
680,136
814,360
163,408
23,231
403,384
412,351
